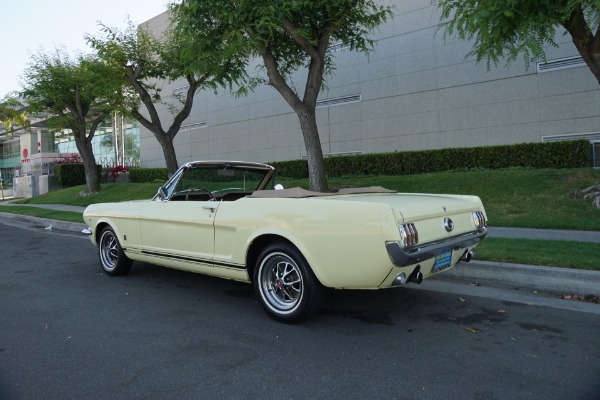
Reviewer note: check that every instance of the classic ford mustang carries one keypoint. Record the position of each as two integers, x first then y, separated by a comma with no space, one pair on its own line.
229,219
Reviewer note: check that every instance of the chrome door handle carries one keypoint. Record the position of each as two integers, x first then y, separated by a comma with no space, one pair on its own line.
211,208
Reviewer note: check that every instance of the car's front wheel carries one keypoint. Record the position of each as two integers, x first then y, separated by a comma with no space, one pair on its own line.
286,286
112,258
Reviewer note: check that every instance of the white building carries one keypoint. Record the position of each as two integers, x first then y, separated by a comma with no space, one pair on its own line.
413,92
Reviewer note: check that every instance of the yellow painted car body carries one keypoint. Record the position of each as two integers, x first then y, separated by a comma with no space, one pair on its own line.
349,240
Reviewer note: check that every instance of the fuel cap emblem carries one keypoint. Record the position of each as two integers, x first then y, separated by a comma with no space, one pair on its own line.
448,225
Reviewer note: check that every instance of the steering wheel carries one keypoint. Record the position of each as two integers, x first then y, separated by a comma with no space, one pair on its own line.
212,197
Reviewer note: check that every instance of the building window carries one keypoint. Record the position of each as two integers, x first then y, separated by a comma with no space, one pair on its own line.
559,63
596,154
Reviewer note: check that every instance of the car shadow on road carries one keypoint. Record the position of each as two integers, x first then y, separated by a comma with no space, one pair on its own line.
378,307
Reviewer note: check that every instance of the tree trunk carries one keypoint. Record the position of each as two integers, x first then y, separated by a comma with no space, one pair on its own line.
165,139
314,153
585,41
305,110
169,152
89,166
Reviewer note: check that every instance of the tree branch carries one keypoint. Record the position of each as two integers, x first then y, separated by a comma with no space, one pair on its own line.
187,106
577,26
146,99
73,110
586,43
95,122
277,81
305,44
78,105
314,81
596,40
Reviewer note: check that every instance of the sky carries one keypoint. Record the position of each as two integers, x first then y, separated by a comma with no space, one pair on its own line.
30,25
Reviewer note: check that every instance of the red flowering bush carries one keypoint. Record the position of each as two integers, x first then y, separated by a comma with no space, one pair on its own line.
73,158
111,173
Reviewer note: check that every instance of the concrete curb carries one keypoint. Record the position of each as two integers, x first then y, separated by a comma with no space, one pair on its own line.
530,277
42,223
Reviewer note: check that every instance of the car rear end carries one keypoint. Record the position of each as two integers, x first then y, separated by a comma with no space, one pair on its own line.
435,232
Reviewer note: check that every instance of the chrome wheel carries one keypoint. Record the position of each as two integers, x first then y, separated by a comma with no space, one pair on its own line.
109,250
112,258
280,282
285,284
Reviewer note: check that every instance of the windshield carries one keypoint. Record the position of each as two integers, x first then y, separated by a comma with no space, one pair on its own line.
218,180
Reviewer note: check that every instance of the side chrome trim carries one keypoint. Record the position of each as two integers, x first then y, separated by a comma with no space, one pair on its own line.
193,260
402,257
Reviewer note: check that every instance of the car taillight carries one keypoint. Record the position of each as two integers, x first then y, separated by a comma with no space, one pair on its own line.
479,219
408,235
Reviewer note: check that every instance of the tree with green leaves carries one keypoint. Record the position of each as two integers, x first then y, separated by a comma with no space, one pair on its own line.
76,93
288,35
11,114
506,29
144,60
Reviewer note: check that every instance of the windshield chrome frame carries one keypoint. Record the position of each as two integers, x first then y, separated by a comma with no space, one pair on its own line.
172,182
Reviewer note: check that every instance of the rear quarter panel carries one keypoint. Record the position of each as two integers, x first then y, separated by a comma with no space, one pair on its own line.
343,241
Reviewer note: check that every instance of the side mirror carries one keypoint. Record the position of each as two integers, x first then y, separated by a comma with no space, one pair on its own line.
162,193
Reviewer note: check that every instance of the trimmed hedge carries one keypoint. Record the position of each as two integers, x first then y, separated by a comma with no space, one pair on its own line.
68,175
148,175
566,154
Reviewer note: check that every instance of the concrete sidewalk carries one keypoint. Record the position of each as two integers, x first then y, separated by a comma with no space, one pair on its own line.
545,234
524,277
58,207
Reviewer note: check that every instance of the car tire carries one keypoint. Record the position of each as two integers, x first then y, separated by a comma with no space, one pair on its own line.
285,284
112,258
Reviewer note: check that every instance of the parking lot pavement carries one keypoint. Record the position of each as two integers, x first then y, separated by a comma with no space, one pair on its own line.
70,331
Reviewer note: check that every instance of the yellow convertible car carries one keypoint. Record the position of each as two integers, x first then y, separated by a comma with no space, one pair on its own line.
229,219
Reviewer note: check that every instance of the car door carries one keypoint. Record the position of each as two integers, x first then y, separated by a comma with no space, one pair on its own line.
179,233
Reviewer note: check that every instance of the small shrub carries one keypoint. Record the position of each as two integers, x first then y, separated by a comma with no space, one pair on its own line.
68,175
110,173
148,175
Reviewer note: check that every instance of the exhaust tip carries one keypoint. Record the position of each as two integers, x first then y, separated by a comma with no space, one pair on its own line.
467,256
416,277
400,280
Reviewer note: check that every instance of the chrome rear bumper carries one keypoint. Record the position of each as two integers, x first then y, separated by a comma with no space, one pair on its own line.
402,257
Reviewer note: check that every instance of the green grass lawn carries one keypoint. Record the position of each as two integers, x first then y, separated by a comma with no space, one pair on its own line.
42,213
552,253
111,192
527,198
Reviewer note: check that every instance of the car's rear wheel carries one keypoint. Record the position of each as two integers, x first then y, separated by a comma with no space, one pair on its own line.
286,286
112,258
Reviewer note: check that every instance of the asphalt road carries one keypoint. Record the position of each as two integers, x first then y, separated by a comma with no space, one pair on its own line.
67,331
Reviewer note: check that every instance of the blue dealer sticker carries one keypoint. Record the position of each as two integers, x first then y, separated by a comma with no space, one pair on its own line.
443,260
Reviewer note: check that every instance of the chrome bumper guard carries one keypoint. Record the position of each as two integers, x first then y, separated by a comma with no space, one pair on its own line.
87,231
402,257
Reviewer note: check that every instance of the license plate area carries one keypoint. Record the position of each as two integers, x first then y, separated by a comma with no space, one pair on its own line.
442,261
